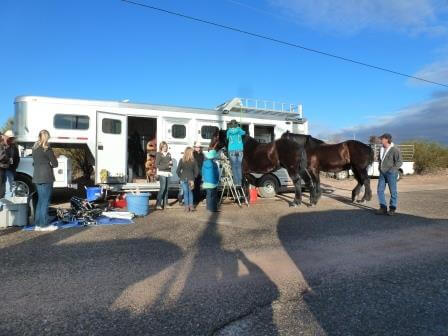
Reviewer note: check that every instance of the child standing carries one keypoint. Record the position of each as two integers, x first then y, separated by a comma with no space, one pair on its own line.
187,170
210,177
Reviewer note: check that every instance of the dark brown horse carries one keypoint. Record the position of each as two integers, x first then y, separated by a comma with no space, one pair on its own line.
350,154
265,158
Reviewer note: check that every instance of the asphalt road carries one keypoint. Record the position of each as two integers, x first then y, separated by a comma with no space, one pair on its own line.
336,269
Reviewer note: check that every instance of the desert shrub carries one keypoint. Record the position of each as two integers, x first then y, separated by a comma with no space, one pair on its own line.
429,157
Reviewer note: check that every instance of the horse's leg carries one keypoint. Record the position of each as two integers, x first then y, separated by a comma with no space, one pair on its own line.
318,188
360,182
315,190
250,179
366,182
295,177
298,192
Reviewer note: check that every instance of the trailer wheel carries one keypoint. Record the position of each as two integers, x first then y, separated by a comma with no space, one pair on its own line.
25,188
268,186
342,175
399,175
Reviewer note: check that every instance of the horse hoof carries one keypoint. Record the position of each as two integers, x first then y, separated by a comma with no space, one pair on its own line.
293,205
362,202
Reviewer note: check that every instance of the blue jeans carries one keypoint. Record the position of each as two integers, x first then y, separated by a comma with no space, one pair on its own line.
10,178
44,191
212,199
389,178
188,193
236,160
162,195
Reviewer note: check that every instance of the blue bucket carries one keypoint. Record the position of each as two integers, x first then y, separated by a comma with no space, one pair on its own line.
138,204
93,193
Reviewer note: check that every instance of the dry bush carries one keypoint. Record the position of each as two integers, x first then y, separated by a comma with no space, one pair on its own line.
429,157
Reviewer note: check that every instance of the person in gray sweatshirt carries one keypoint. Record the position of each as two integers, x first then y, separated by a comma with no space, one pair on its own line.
389,162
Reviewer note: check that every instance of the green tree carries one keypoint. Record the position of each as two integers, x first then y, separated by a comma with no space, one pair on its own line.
8,125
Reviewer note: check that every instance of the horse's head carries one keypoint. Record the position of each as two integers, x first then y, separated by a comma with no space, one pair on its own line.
218,141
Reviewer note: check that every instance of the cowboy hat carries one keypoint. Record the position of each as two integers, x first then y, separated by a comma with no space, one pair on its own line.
197,144
9,134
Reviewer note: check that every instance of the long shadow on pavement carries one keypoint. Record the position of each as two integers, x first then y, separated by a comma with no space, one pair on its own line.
52,286
60,283
371,275
221,289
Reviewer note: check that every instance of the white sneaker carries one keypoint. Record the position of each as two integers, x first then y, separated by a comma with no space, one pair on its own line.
46,228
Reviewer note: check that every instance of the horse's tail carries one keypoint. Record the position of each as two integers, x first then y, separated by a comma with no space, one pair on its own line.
371,155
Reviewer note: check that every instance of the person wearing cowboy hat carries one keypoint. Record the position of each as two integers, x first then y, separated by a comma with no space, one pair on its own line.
12,151
234,136
389,162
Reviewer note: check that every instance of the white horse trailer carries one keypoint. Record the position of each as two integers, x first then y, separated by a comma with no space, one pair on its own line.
105,127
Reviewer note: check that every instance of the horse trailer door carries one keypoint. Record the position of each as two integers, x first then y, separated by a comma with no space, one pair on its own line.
111,144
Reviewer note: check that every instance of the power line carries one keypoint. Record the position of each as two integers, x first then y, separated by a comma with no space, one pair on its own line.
272,39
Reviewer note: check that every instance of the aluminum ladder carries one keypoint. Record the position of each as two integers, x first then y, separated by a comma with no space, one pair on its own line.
228,186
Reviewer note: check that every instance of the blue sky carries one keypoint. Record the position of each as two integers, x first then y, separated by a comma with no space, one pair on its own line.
107,49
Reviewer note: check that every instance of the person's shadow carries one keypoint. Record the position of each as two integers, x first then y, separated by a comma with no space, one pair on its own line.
62,283
224,292
72,282
367,274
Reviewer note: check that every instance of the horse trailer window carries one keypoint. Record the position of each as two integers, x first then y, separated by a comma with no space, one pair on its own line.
111,126
207,132
178,131
69,121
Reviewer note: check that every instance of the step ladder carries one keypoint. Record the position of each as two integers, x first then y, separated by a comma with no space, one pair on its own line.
229,189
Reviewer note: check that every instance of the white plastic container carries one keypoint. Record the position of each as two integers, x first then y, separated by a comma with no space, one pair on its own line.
13,212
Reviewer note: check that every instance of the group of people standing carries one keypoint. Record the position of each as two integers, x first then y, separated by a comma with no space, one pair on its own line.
44,161
198,171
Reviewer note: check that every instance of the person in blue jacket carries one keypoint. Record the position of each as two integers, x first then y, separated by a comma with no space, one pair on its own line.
235,148
210,180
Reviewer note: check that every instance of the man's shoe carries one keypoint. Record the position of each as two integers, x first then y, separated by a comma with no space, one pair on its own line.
381,211
392,211
159,207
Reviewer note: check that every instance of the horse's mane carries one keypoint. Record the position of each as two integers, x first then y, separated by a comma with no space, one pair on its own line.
296,137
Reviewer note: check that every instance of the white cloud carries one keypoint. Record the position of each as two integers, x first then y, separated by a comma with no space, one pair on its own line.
427,121
352,16
436,72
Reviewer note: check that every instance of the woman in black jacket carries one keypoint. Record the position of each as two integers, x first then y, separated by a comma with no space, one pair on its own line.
187,170
164,163
43,177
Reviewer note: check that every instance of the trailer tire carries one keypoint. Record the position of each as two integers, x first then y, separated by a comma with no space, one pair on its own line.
25,185
268,186
399,175
342,175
